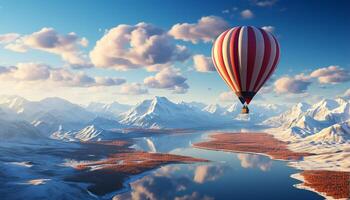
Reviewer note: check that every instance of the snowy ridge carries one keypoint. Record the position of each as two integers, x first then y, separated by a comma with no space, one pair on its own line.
159,112
303,120
322,129
110,110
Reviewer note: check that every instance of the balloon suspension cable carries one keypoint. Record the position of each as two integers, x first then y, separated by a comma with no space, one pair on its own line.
245,109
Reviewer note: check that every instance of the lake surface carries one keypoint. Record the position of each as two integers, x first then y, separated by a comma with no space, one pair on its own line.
228,176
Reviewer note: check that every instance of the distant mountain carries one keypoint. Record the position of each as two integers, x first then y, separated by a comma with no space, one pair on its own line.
325,122
106,124
111,110
194,104
215,109
88,133
19,131
159,112
285,119
258,112
48,114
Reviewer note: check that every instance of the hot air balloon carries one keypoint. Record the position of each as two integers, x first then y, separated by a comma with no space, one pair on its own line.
245,57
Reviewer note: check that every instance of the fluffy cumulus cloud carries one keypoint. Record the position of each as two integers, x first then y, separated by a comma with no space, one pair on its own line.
133,89
168,78
270,29
129,47
206,29
247,14
300,83
294,85
331,74
8,37
31,71
203,63
48,40
38,72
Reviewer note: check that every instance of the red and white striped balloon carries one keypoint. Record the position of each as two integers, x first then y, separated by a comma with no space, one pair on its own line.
245,57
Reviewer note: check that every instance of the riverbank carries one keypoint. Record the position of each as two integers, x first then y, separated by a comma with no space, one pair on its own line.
327,183
259,143
120,163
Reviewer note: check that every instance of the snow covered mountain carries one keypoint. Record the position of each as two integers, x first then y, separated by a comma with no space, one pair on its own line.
111,110
335,134
62,119
159,112
286,118
106,124
324,122
48,114
88,133
258,112
214,109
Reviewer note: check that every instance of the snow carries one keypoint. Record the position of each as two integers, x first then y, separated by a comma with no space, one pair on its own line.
159,112
322,129
109,110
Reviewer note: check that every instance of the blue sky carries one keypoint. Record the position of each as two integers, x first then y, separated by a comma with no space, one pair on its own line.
312,34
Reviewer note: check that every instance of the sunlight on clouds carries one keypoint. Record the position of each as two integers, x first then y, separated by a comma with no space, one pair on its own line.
206,29
127,47
203,64
38,73
133,89
332,74
48,40
168,78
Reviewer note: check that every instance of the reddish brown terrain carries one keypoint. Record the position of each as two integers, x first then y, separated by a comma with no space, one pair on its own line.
334,184
251,142
108,174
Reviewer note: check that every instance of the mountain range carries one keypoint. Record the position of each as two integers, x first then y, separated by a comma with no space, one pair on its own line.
327,120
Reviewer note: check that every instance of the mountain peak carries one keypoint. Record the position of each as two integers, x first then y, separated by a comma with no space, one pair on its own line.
158,99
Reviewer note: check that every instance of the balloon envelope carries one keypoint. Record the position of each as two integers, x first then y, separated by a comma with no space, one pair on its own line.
245,57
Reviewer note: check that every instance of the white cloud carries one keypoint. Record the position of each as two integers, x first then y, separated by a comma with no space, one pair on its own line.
226,11
107,81
129,47
31,71
247,14
8,37
331,74
227,96
203,64
44,74
48,40
133,89
206,29
294,85
264,3
168,78
270,29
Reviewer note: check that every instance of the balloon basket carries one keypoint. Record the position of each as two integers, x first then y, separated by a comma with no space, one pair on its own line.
245,110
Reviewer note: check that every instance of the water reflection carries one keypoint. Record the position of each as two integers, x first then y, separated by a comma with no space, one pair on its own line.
255,161
206,173
166,184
